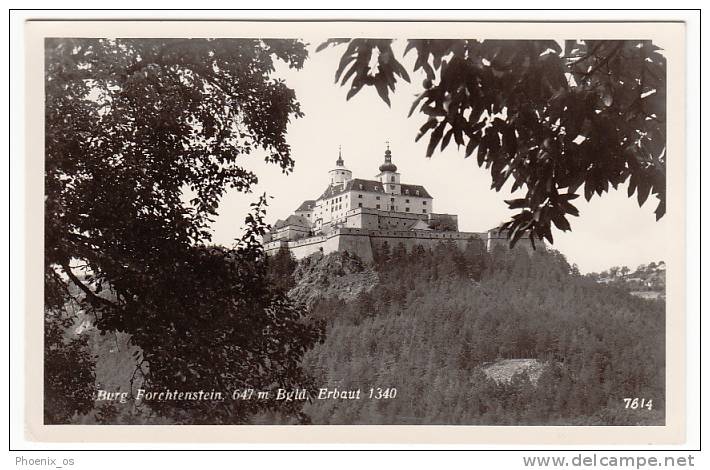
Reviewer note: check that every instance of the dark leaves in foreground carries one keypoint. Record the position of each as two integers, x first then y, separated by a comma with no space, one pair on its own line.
554,121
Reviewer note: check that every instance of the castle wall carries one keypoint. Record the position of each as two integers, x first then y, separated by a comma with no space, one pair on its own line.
359,244
362,242
494,239
427,239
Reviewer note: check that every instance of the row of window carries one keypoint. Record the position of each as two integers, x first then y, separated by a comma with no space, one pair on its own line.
392,208
392,186
391,199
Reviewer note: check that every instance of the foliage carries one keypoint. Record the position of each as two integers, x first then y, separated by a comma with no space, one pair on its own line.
280,269
68,370
550,118
439,316
135,128
646,277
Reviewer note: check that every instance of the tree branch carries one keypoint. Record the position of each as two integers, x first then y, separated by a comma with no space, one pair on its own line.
94,299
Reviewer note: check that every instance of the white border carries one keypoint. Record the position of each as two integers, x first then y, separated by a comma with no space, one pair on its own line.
693,224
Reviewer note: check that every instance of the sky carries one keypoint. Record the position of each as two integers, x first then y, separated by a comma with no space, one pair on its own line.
611,230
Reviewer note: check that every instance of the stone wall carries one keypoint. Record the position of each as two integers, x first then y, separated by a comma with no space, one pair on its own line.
361,242
364,242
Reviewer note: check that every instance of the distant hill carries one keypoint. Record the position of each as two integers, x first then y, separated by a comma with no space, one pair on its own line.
647,280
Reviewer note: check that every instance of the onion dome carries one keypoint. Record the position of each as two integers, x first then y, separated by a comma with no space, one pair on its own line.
388,165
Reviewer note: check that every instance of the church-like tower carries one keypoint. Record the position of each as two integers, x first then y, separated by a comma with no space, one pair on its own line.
388,175
340,174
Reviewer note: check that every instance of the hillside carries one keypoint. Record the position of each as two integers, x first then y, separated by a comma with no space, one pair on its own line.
476,338
338,276
463,337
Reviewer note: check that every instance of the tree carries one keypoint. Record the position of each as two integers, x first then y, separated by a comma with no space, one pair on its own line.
551,118
134,129
68,371
280,269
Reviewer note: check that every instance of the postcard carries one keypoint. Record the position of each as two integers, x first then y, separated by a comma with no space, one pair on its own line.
356,231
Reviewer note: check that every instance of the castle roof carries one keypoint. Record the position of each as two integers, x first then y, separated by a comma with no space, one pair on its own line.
296,220
306,205
371,186
388,165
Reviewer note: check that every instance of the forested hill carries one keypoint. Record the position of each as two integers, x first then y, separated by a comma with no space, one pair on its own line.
433,320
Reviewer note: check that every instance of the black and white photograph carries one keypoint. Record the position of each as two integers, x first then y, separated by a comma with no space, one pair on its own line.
328,228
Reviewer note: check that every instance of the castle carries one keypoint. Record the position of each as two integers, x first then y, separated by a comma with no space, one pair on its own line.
359,216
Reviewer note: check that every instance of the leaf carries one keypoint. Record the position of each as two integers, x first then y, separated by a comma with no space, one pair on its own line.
430,124
644,189
481,153
515,236
560,222
661,208
400,70
569,209
344,61
435,138
447,138
416,102
516,203
473,142
354,89
510,141
352,70
547,233
381,88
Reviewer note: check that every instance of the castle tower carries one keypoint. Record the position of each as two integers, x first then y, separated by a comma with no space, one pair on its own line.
340,174
388,175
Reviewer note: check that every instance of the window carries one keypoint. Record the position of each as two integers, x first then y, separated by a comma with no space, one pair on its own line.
424,203
406,191
360,186
392,186
407,201
417,192
359,204
377,206
392,179
391,199
377,197
359,195
391,208
406,209
423,211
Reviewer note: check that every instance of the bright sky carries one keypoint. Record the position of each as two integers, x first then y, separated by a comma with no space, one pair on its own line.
610,231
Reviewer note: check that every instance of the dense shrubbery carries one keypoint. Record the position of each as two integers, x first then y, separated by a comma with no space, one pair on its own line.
438,316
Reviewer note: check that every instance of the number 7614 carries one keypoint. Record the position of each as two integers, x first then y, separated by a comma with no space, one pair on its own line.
638,403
